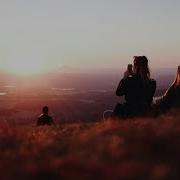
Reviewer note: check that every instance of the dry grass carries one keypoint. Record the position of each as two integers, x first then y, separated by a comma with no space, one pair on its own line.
132,149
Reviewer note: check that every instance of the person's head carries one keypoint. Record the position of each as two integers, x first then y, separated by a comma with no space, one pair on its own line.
136,63
45,110
141,67
177,81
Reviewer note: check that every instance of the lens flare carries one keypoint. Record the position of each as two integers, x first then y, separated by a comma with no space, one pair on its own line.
27,66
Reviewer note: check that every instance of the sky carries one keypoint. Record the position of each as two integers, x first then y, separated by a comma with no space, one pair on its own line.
40,35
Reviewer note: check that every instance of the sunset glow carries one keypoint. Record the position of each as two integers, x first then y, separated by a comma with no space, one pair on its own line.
23,67
87,34
27,66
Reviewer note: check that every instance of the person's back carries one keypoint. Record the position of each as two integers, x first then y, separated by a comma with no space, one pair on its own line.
147,91
173,96
44,118
138,94
138,90
129,87
177,96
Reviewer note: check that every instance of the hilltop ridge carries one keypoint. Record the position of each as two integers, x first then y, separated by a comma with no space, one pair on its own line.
137,148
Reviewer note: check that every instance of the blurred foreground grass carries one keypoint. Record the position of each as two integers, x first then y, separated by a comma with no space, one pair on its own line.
142,148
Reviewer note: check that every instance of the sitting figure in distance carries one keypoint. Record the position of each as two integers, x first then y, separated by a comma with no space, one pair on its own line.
44,118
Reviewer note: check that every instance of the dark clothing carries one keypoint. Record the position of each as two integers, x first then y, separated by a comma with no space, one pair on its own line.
138,95
171,99
44,119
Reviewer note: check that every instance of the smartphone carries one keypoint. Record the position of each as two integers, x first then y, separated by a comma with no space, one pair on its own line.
130,68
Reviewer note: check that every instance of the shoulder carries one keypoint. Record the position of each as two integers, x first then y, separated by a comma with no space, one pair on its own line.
129,78
126,81
152,81
40,116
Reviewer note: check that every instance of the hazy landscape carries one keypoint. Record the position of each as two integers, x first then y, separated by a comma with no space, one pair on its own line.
70,96
81,145
70,55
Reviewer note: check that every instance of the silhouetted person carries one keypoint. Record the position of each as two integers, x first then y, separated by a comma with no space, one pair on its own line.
44,118
137,88
171,99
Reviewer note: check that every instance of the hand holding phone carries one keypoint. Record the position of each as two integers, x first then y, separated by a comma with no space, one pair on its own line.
129,71
130,68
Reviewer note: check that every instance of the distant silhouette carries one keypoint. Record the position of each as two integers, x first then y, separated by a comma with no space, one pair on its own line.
44,118
137,88
171,99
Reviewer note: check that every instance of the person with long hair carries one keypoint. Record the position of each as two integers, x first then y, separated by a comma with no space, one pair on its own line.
137,88
171,98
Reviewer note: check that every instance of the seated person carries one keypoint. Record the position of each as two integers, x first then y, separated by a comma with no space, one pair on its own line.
138,89
44,118
171,99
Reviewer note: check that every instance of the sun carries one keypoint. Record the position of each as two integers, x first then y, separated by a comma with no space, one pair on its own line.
27,66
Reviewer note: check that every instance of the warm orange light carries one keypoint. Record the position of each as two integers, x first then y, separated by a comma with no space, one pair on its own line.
27,67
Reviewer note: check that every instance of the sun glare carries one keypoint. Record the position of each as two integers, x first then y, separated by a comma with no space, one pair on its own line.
27,66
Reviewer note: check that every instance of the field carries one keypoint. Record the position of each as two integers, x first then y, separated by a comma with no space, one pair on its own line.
81,145
140,148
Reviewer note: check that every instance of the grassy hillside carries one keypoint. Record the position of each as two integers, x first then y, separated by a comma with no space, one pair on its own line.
132,149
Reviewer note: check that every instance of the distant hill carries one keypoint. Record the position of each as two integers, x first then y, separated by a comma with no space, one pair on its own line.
102,79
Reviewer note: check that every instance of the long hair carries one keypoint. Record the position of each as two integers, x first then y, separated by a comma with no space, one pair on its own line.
141,67
177,79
